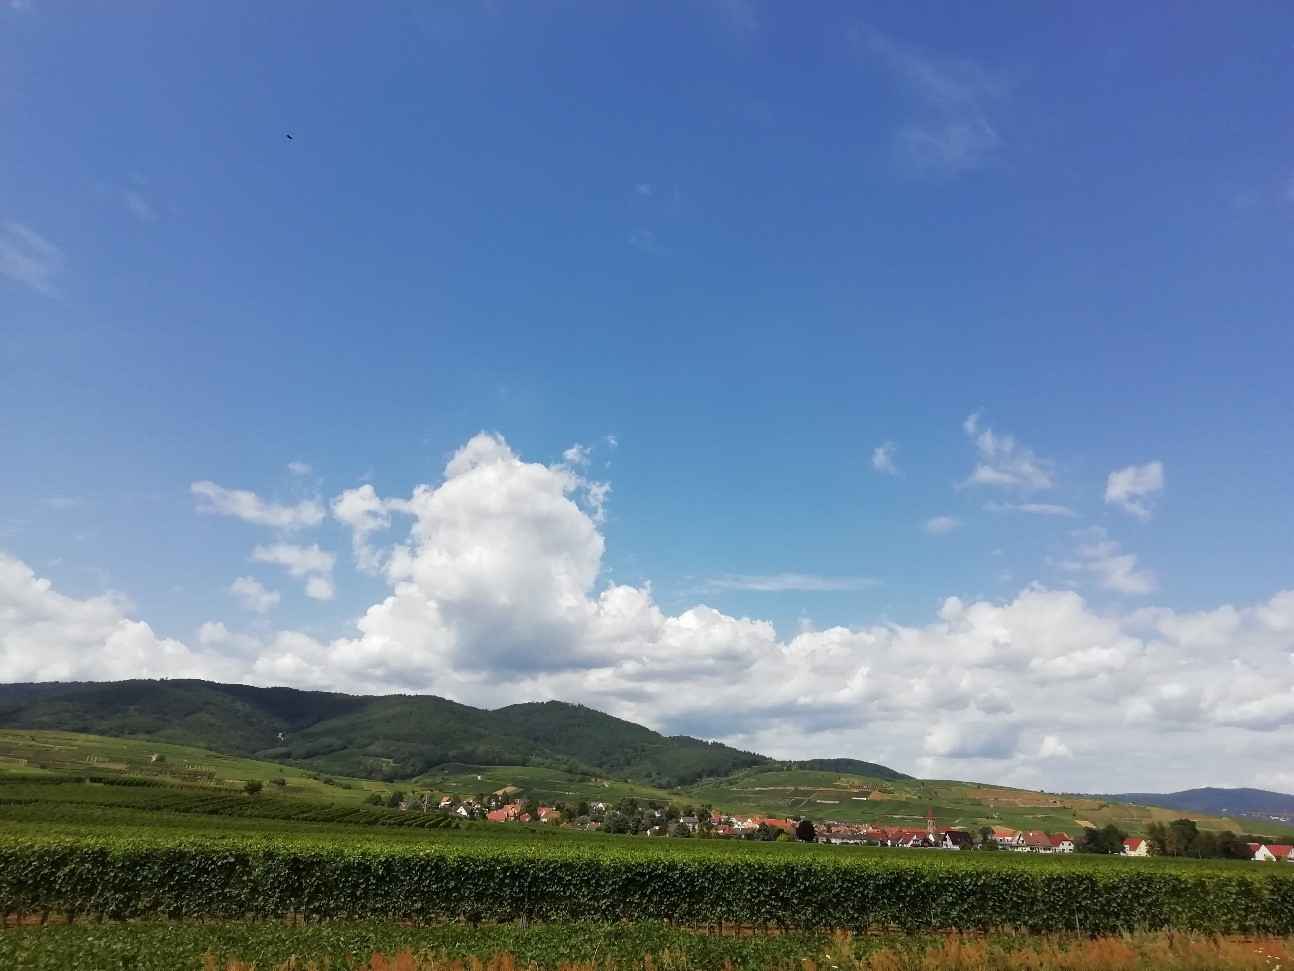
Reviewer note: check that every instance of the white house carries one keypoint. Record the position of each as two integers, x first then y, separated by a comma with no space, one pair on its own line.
1136,846
1008,839
1061,843
1274,853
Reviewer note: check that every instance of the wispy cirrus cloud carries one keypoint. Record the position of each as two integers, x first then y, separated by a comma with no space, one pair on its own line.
938,525
951,130
788,582
138,206
1003,461
645,241
63,503
1033,508
251,508
1133,489
883,459
1103,558
28,258
739,17
577,456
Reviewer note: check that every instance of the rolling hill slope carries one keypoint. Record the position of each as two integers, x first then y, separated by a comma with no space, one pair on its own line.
386,737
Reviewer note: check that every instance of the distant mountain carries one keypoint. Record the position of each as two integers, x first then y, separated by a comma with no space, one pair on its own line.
391,736
1217,802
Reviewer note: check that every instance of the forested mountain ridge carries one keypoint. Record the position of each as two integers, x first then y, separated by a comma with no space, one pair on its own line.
1232,802
390,736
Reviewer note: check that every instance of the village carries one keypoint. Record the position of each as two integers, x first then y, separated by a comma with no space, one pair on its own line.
631,816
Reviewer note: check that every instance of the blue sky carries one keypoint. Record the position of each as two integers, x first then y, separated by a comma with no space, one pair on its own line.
747,244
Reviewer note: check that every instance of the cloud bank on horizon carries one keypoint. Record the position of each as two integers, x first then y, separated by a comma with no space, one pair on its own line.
496,593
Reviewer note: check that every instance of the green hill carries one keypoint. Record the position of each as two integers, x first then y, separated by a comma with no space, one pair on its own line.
849,767
382,737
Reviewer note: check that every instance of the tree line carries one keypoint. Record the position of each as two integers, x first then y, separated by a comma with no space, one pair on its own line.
1181,837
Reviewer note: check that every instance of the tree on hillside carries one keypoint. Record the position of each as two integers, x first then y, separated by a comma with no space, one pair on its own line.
805,832
986,837
393,801
1232,847
1157,834
616,823
1205,846
1108,840
1182,834
252,786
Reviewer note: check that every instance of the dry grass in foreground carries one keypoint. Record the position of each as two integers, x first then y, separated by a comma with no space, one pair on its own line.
1136,952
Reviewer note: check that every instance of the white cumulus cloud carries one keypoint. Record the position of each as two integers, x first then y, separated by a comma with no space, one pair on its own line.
366,515
253,595
320,588
310,562
497,593
297,560
47,636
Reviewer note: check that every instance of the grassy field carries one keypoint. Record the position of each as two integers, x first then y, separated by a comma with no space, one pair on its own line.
546,785
769,791
646,946
28,753
128,863
162,875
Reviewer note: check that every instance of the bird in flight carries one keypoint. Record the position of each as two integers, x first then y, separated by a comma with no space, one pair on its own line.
287,135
